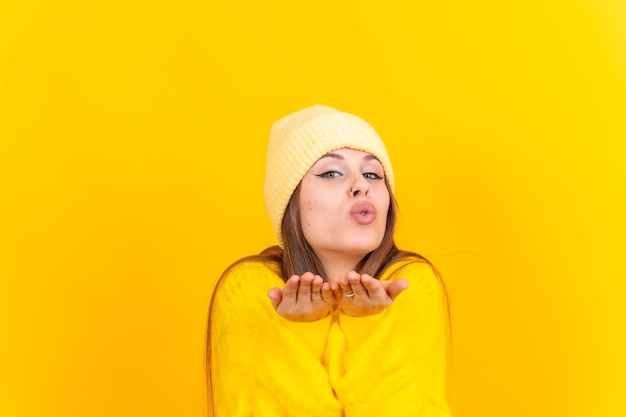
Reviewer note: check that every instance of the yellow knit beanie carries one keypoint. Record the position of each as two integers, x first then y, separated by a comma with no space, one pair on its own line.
299,139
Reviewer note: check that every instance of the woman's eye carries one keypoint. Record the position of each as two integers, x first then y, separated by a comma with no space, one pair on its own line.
372,176
329,174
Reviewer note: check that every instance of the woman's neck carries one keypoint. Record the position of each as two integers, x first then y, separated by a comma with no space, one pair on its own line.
337,267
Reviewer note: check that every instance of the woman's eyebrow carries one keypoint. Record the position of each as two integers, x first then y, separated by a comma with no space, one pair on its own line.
368,157
332,155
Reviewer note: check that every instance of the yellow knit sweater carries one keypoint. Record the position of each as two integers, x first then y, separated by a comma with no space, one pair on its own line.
390,364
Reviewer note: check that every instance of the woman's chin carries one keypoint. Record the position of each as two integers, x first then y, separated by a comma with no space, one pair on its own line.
361,247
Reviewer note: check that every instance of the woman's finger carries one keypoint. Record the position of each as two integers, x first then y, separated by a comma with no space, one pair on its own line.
374,287
290,290
327,293
304,290
336,289
276,296
346,289
357,287
316,289
394,288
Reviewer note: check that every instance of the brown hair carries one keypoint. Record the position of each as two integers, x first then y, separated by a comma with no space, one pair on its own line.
298,257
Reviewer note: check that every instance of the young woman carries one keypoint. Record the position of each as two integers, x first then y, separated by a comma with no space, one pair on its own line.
335,320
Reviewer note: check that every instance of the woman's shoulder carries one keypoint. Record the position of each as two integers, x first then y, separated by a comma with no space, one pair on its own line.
251,265
250,273
411,268
424,279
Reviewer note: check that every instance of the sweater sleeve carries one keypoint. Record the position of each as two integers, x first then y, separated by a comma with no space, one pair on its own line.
262,365
394,363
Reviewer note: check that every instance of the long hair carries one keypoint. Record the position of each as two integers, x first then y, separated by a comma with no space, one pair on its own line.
298,257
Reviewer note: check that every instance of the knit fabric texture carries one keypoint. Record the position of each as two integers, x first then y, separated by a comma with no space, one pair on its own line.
392,364
299,139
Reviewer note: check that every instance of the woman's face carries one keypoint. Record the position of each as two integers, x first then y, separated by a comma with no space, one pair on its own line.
344,203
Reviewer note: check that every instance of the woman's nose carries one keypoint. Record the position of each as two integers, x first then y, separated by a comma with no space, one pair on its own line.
359,187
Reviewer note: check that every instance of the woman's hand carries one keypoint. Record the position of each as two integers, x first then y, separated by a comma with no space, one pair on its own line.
363,295
303,298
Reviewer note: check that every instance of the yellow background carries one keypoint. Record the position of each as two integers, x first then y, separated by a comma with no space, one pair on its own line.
132,142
